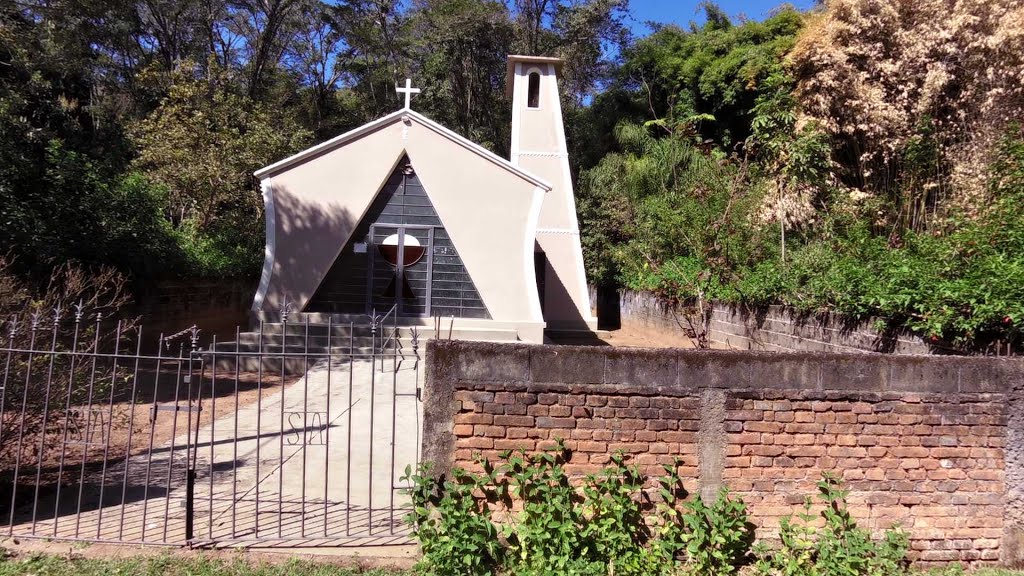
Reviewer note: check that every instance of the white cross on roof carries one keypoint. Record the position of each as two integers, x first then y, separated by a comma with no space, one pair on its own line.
408,91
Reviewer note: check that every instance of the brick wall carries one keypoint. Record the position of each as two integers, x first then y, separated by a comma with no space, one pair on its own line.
931,443
931,465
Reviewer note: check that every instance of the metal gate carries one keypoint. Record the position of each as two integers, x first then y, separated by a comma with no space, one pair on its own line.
293,434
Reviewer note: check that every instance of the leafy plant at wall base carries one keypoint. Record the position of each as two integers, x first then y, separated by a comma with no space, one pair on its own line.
713,540
546,536
615,532
669,541
606,526
838,548
456,535
717,537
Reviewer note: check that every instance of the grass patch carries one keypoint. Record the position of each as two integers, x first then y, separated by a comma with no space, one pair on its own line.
245,565
50,565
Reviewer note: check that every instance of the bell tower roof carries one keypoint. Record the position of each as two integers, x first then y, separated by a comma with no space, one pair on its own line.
513,59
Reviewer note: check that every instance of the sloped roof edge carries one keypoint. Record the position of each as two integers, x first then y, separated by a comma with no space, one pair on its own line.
396,116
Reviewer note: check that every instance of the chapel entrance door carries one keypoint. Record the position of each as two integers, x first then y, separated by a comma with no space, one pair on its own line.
401,260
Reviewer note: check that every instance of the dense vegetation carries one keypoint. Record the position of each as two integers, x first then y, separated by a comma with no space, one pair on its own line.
524,516
129,129
865,158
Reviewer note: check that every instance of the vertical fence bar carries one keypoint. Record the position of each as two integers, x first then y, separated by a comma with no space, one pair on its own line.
67,415
259,417
213,424
131,431
234,443
12,332
192,447
174,434
259,428
21,424
280,437
152,432
110,425
88,422
348,433
303,445
394,424
373,387
327,424
46,414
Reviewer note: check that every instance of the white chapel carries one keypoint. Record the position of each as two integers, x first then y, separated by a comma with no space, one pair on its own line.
404,215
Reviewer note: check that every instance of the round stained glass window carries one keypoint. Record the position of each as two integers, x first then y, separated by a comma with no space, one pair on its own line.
412,251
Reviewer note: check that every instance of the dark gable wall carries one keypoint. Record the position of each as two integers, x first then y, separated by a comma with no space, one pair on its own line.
402,201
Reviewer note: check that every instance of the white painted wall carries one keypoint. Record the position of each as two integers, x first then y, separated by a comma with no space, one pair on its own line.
489,208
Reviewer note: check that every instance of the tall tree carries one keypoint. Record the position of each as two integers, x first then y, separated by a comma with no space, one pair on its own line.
268,27
460,50
202,146
708,77
532,34
588,33
316,57
175,29
375,51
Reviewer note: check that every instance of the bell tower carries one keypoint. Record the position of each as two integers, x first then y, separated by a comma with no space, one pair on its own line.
538,146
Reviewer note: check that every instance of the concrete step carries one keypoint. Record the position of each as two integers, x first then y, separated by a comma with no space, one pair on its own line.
315,348
272,331
255,340
294,347
295,360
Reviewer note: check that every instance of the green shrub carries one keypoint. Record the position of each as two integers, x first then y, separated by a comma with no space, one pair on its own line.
717,537
694,226
546,535
606,525
614,529
454,530
609,525
839,548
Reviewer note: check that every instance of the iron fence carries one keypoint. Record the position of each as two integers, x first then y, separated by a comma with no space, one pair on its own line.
293,432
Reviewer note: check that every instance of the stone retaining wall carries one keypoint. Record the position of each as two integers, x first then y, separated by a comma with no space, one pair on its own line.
773,328
931,443
215,307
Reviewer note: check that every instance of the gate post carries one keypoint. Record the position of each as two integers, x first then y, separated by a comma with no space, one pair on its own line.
192,446
190,503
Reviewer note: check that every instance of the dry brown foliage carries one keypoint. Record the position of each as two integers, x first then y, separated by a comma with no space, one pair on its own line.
872,72
35,321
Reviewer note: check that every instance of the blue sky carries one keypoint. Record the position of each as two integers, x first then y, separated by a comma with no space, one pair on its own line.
683,11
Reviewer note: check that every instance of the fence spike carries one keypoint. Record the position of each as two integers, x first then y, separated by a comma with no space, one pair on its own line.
194,336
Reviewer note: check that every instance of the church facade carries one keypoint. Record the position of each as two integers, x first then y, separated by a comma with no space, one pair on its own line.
404,214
